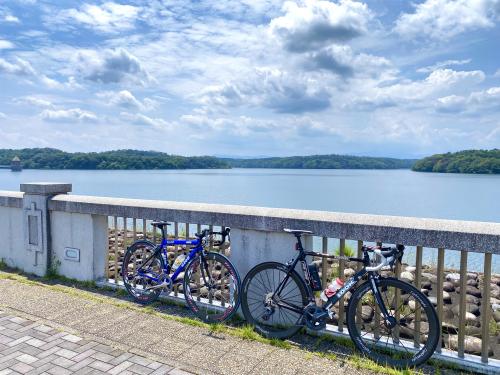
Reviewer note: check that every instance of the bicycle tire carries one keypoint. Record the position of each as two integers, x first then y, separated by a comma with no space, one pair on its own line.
229,305
250,299
408,355
138,295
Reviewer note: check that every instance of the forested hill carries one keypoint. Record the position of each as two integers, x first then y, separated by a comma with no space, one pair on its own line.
470,161
49,158
324,162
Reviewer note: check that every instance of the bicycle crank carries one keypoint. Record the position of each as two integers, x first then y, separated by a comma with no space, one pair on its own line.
315,317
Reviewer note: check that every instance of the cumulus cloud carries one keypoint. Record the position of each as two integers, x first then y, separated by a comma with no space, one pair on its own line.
313,24
18,67
342,61
34,101
126,99
272,88
74,115
5,44
443,64
443,19
477,102
143,120
111,66
108,17
7,16
412,92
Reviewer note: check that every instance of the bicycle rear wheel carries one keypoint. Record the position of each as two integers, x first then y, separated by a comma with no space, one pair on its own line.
138,283
411,337
266,313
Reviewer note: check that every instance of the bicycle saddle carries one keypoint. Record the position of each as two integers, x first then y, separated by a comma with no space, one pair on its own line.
297,232
160,224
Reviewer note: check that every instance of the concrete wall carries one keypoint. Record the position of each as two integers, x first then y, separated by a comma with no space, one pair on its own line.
85,235
251,247
12,250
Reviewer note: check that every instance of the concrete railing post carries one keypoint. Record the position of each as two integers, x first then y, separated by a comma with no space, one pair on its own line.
251,247
36,226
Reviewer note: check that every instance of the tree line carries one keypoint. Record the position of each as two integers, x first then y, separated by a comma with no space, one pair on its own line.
469,161
50,158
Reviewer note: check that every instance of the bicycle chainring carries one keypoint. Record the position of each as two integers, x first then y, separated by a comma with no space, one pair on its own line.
315,317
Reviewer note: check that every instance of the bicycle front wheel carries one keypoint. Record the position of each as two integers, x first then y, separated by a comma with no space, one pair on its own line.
212,287
410,336
274,313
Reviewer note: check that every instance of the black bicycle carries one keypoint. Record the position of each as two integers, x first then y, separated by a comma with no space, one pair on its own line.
390,321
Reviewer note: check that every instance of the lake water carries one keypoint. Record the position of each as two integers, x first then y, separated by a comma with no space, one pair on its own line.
384,192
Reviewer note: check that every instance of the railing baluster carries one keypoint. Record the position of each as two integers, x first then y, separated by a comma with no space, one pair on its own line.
485,308
144,229
397,313
124,242
418,285
341,275
324,262
439,297
376,331
461,315
358,267
176,254
134,233
106,261
115,219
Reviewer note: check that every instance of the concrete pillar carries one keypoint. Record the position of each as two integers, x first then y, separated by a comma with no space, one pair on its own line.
251,247
36,227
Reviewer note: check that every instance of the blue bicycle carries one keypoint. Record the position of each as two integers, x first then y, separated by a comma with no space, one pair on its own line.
211,284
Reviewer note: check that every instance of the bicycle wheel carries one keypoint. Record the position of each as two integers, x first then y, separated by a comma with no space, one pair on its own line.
139,274
265,312
212,287
406,341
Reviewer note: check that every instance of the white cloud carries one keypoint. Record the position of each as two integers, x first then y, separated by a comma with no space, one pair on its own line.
443,19
342,61
497,73
34,101
143,120
278,90
18,67
126,99
73,115
109,17
5,44
411,93
443,64
111,66
477,102
313,24
2,116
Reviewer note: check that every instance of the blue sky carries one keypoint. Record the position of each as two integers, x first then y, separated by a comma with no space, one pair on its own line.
251,77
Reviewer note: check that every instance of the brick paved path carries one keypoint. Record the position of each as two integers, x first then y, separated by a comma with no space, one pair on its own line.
29,347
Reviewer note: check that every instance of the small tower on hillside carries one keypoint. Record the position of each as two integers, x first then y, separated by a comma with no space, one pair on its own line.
15,165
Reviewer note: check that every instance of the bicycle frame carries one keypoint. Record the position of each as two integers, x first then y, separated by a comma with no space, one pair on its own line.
162,248
372,278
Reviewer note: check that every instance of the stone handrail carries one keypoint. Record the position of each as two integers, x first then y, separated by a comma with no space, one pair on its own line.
12,199
437,233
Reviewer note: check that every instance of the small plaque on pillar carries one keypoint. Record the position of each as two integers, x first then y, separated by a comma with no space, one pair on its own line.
72,254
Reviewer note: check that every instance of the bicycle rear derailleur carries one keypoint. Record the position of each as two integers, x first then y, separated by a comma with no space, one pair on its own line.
315,317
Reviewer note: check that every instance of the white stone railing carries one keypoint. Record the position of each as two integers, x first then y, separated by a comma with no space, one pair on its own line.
84,237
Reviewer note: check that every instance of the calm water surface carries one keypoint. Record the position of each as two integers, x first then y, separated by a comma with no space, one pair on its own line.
385,192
